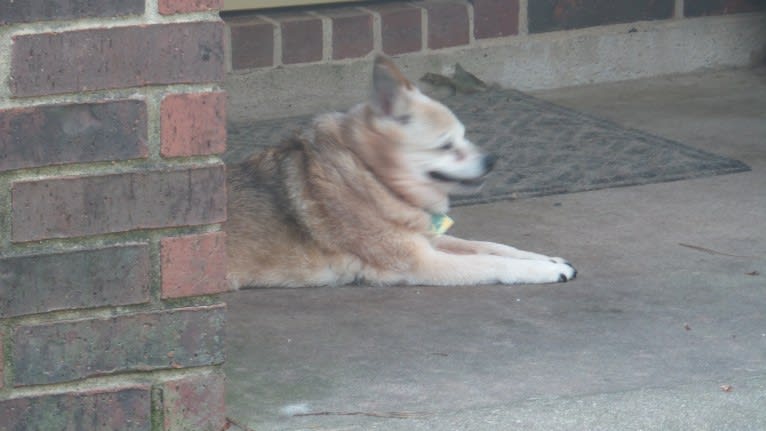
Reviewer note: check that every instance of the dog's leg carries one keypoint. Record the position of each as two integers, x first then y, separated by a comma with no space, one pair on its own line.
456,245
437,267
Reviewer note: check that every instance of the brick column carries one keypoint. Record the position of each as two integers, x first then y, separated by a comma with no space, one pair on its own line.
111,199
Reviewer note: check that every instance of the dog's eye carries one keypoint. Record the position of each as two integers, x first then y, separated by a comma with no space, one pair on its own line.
446,146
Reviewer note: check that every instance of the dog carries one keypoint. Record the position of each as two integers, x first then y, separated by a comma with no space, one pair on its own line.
359,196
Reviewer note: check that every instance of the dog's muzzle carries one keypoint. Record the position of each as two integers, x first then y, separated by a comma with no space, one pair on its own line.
488,163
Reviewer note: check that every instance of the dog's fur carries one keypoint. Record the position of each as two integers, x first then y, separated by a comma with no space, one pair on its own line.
352,199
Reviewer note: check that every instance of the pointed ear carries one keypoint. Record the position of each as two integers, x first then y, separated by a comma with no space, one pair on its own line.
388,87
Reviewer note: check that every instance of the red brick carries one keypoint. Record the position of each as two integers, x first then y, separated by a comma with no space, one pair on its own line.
495,18
720,7
124,409
401,29
194,403
252,43
351,33
549,15
80,279
63,351
63,207
193,124
301,38
447,24
85,132
46,10
169,7
193,265
119,57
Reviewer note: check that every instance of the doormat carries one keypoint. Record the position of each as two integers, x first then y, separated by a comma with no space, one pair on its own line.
543,148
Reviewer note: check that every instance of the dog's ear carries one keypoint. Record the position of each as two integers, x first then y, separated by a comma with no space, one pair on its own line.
389,86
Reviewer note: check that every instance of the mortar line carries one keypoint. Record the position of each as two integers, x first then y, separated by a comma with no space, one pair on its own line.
110,167
277,29
55,246
129,379
377,29
207,302
471,23
5,61
103,95
5,215
152,9
227,56
155,270
326,22
523,17
423,29
153,103
5,348
156,408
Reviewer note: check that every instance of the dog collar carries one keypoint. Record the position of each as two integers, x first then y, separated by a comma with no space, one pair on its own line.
440,223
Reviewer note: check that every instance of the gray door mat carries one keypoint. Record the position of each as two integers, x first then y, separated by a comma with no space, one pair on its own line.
544,148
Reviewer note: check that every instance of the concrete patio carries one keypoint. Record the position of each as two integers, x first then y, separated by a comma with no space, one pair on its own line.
664,328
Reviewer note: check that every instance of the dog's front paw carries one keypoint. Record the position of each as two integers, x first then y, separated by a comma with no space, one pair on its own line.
570,273
537,271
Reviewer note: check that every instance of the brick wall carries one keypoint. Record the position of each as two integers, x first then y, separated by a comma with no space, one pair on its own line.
111,199
303,35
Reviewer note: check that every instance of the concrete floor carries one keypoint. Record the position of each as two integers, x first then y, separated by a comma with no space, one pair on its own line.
644,339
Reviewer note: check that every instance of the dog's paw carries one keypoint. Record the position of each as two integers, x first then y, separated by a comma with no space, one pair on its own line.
570,273
537,271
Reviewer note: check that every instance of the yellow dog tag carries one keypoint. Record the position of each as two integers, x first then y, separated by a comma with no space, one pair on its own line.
440,223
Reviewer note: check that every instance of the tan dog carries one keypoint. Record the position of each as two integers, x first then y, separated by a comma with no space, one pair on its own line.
355,199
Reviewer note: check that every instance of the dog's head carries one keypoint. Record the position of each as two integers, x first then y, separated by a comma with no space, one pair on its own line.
424,154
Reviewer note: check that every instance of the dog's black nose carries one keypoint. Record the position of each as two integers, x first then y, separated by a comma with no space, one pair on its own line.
489,162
